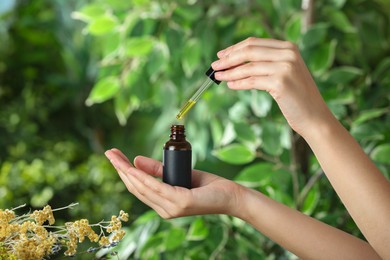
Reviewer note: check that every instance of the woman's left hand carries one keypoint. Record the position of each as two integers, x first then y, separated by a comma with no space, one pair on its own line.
210,194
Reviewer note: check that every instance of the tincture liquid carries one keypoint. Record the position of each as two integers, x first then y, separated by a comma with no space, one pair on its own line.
177,166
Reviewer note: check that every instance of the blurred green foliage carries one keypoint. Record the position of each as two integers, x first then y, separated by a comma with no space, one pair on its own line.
79,77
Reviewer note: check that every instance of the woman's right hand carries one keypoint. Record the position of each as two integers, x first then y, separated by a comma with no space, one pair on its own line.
278,68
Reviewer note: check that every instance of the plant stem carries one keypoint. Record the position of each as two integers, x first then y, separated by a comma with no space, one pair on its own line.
314,178
300,151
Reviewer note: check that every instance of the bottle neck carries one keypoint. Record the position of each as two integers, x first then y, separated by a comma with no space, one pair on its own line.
177,132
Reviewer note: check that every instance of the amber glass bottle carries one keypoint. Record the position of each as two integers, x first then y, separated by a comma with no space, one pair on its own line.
177,159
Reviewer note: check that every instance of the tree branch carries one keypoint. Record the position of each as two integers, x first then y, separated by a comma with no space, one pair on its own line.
300,151
313,180
308,14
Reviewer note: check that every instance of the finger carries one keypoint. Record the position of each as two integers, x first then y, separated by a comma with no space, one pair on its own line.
115,157
154,191
145,199
121,162
149,165
271,43
247,70
170,201
162,189
119,153
253,53
254,82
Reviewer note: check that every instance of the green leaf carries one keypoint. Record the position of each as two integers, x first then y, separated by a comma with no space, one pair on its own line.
315,35
199,148
198,230
340,21
235,154
109,42
153,246
216,132
249,26
189,13
369,115
146,217
228,134
343,75
174,238
261,103
41,198
238,112
336,96
284,7
209,37
338,3
293,28
158,61
281,196
311,201
120,4
102,25
381,69
271,138
285,136
339,110
139,46
89,12
256,175
322,57
192,54
366,132
148,223
124,105
245,133
384,4
381,153
103,90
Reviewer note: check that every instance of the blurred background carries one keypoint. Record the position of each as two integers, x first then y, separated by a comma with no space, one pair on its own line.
80,77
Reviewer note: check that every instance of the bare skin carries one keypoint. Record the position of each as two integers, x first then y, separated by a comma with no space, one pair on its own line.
277,67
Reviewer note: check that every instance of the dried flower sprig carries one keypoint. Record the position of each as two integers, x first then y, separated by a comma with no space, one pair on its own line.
34,236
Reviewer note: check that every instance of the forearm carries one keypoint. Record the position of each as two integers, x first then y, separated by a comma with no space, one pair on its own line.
360,185
300,234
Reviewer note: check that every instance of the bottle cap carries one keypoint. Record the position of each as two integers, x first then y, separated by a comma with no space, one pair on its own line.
210,73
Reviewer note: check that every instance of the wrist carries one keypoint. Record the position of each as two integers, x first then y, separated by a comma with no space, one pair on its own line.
237,207
243,198
321,128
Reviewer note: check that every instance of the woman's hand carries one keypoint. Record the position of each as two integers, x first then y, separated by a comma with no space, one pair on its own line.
276,67
210,194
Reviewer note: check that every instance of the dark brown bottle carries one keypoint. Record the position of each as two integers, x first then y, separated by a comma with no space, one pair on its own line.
177,166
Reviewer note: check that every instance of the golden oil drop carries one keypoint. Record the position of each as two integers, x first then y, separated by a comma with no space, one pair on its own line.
190,103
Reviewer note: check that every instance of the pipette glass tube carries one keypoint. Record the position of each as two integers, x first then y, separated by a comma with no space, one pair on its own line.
191,102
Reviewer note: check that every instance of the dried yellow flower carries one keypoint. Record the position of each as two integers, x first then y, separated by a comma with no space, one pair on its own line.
25,237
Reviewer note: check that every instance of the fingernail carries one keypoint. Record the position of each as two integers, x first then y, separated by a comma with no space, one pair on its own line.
221,52
215,64
107,154
231,84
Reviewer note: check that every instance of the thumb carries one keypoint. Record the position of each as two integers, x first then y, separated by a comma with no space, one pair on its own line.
149,165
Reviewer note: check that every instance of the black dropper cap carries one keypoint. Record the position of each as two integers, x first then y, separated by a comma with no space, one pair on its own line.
210,73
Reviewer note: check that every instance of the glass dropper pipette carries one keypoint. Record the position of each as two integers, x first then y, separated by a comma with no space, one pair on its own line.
195,97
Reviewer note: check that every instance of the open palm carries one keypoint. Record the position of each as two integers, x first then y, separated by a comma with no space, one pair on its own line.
210,194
